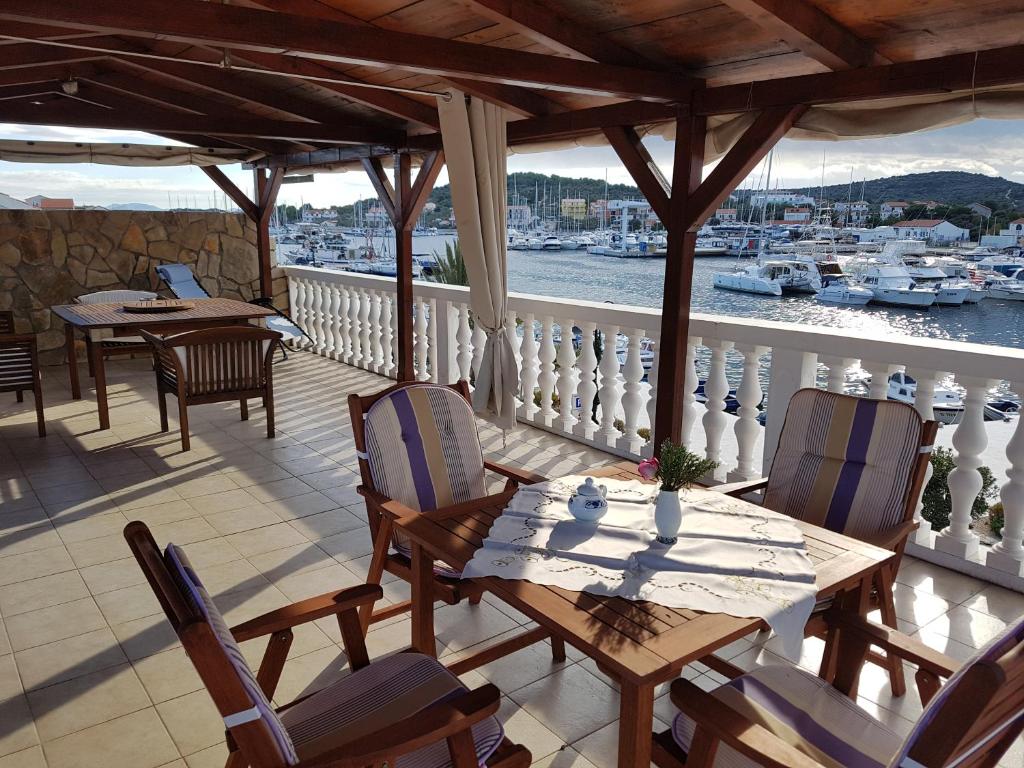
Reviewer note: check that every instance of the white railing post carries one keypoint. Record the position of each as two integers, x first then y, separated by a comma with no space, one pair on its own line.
529,371
293,300
1008,554
513,340
344,309
462,336
376,348
690,383
444,351
421,346
479,340
647,449
609,391
319,306
547,371
749,395
364,329
965,481
880,373
837,367
387,340
587,388
395,310
791,370
924,401
334,322
566,385
632,397
716,388
435,375
311,317
356,356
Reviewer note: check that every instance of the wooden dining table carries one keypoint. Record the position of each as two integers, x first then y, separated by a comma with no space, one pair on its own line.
110,321
639,644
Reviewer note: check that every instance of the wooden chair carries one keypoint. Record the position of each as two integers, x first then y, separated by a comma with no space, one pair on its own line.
214,365
419,453
784,717
119,345
19,366
406,706
855,466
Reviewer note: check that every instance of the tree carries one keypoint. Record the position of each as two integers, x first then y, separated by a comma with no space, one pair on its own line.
451,268
937,503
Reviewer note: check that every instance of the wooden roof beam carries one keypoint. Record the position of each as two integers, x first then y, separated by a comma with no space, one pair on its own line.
641,166
234,27
809,29
23,55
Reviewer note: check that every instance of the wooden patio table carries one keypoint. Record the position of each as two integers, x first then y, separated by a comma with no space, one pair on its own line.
107,321
639,644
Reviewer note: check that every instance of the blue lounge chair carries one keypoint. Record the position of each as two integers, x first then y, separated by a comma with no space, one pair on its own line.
181,281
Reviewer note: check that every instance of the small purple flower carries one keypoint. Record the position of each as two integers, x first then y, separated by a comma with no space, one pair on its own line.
648,469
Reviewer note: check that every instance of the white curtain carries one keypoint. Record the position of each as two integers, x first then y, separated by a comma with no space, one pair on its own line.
473,133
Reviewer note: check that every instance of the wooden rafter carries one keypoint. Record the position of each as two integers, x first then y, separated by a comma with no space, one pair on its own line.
229,26
24,55
641,166
421,188
227,186
385,190
811,30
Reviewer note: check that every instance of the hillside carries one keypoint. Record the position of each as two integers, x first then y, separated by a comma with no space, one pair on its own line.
951,187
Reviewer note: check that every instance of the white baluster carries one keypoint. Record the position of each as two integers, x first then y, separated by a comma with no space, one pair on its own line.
529,371
320,302
432,340
479,341
513,339
464,356
364,329
632,395
337,342
608,390
566,385
749,395
422,347
647,449
880,373
354,301
837,367
924,400
387,341
690,384
376,350
293,300
1008,554
311,317
396,308
547,370
965,481
588,382
716,389
345,322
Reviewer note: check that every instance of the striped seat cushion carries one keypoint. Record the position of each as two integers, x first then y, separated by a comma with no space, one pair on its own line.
844,463
195,592
804,711
385,692
423,450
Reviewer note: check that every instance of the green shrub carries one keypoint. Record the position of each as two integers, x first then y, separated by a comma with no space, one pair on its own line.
451,268
937,503
995,519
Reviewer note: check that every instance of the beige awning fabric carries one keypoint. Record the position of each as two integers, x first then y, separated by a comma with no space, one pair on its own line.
136,155
475,148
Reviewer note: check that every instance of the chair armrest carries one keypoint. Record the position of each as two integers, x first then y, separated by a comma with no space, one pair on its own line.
756,742
740,488
437,722
17,338
307,610
894,642
397,510
521,476
392,508
891,537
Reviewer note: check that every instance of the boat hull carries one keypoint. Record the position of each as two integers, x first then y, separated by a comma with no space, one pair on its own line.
899,297
746,284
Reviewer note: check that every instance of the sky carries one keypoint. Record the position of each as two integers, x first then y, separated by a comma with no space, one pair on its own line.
991,147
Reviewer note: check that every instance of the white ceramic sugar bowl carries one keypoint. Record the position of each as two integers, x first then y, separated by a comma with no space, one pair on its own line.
589,503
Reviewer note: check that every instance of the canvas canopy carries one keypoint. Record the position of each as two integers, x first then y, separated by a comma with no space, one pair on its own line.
138,155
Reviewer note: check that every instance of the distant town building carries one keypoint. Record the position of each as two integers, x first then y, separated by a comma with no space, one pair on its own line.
376,216
8,203
855,214
798,215
318,214
982,210
50,203
781,197
599,208
573,208
726,215
873,235
519,217
1015,231
635,210
892,209
932,230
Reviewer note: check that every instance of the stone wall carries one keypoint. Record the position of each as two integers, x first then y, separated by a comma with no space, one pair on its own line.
49,257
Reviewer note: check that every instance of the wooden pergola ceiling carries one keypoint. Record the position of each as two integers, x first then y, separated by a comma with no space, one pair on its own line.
563,66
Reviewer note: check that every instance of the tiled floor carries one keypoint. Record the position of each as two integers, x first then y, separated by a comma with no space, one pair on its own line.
90,673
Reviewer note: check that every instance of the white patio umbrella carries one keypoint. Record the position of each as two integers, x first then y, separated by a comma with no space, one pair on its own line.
473,133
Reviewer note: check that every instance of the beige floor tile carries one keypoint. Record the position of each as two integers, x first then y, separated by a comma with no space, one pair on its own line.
571,702
193,721
17,729
161,514
80,491
291,560
46,591
310,465
32,565
101,550
5,643
522,667
303,505
325,524
27,758
310,673
67,659
949,585
18,539
92,527
966,626
299,586
86,701
243,478
209,552
230,577
523,728
211,757
279,489
266,539
999,602
203,485
56,475
345,495
139,740
566,757
117,574
128,603
224,501
183,532
167,675
10,681
145,636
244,519
47,625
348,545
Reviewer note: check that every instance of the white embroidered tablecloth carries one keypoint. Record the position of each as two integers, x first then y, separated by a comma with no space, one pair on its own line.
731,556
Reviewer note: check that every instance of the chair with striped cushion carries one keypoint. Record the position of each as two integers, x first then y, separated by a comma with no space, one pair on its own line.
19,366
406,710
419,452
120,345
784,716
855,466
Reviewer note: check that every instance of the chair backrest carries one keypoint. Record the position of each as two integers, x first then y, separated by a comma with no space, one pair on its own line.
181,282
18,362
977,715
849,464
6,322
111,297
216,361
420,444
247,712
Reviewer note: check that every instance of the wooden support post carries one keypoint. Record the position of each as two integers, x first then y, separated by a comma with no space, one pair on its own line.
687,164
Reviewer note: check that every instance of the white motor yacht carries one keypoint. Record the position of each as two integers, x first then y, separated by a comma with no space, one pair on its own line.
948,293
771,278
891,285
551,243
711,246
1006,288
534,243
840,289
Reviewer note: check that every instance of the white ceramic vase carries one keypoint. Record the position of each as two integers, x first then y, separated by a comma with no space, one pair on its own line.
668,516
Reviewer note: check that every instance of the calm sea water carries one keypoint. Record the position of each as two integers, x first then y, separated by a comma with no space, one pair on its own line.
577,275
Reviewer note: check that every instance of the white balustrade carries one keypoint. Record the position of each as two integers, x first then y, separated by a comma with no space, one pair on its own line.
479,339
354,317
924,401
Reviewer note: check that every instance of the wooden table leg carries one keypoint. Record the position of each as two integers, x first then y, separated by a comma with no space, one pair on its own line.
636,725
72,353
851,651
100,381
423,602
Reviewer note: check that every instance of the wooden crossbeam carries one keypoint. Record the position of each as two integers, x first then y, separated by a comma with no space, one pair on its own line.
641,166
24,55
227,186
268,195
382,185
234,27
421,188
46,73
811,30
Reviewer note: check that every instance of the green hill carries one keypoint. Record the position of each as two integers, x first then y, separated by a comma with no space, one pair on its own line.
950,187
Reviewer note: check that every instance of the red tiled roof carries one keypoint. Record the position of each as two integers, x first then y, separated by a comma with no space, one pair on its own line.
919,223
